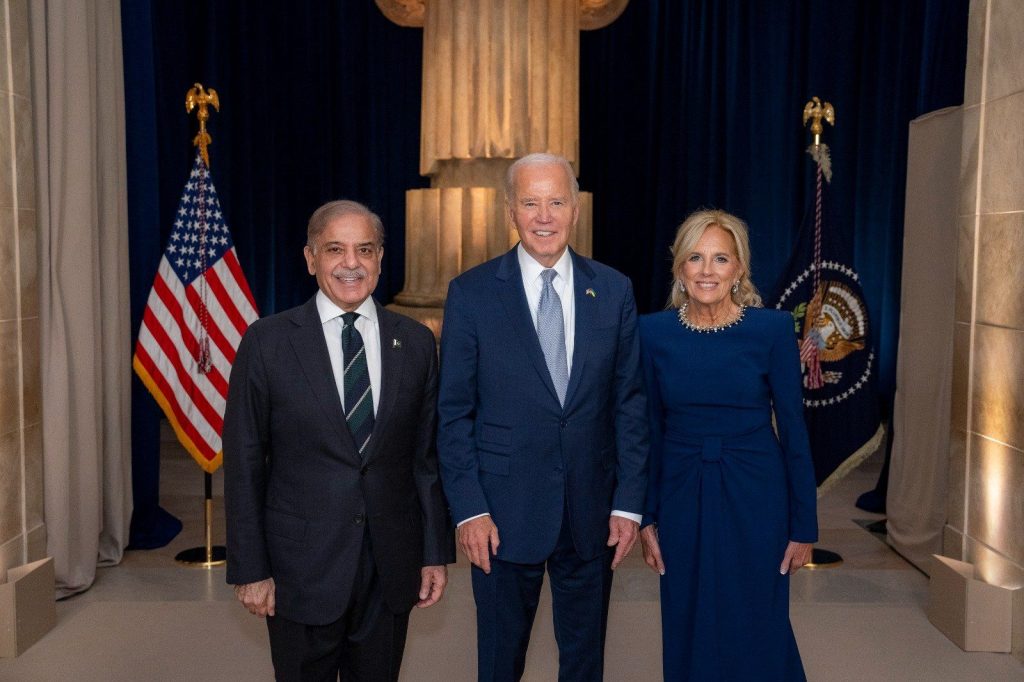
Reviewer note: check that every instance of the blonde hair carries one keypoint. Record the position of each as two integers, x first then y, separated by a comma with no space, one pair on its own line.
687,236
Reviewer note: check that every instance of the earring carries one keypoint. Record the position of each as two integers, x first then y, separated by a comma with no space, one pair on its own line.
682,288
736,286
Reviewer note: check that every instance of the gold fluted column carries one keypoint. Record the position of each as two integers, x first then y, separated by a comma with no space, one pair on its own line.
500,80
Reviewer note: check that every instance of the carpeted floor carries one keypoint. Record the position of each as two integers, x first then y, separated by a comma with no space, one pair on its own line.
154,620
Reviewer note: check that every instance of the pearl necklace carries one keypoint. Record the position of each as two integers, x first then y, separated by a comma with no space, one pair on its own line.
712,328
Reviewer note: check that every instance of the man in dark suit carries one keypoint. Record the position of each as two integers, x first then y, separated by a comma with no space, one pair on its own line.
542,429
336,523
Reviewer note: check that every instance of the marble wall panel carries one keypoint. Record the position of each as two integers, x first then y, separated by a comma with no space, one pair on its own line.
32,390
992,566
956,497
995,513
952,543
10,486
6,179
975,52
24,153
33,475
1000,271
961,369
997,387
1002,169
9,398
8,269
21,78
970,139
28,262
4,84
963,299
1005,49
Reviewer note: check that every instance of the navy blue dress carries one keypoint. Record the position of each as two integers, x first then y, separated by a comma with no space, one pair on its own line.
726,493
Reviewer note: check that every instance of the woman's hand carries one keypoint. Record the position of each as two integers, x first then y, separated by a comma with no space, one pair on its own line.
652,550
797,554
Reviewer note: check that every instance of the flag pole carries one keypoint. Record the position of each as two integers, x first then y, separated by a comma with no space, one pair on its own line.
815,111
209,555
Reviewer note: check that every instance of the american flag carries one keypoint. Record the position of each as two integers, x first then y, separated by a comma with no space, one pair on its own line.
198,309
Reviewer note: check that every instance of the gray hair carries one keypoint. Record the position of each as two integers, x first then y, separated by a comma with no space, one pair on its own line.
540,159
689,234
323,216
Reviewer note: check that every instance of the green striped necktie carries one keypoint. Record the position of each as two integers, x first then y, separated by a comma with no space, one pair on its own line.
358,395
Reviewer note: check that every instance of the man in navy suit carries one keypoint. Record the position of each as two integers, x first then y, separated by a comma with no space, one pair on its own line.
336,524
542,429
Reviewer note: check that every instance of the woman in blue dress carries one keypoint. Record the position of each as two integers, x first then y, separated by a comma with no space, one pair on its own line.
731,505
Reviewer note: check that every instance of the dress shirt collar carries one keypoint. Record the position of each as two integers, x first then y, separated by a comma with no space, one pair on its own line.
531,269
327,309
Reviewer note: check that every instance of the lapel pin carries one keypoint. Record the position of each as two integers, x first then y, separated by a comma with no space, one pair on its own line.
395,343
591,293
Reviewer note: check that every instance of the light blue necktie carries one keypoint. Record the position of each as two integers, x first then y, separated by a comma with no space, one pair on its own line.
551,332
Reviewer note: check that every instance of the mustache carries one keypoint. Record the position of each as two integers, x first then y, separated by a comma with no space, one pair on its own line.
342,271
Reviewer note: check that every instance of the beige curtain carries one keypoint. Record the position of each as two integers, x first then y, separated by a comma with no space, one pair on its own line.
916,503
78,106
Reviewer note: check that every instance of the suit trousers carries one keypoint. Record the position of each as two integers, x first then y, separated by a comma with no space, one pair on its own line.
364,645
506,603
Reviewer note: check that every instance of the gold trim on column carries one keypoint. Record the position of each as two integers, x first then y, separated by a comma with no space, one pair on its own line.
408,13
596,14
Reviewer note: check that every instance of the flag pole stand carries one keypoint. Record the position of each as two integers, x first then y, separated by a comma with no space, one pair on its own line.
211,555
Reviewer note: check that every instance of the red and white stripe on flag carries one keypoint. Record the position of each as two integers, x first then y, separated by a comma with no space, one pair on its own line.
197,311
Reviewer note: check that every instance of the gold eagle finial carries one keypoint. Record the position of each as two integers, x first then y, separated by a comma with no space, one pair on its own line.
198,97
816,110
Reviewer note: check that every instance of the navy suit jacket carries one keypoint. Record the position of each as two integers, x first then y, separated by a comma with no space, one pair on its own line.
299,497
506,446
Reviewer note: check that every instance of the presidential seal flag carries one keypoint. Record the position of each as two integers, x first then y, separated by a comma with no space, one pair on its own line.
822,291
198,309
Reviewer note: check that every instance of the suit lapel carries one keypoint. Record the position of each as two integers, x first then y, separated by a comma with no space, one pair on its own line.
311,350
513,298
391,360
586,320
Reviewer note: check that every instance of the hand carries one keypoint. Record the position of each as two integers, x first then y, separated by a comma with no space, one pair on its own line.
432,583
257,597
652,549
797,554
479,540
622,536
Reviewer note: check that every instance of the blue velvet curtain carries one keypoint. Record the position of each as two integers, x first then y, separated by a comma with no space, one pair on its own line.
684,103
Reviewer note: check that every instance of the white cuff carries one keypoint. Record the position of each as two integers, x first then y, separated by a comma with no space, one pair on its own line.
635,518
470,519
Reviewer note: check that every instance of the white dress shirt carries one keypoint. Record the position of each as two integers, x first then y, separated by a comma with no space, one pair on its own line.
533,283
367,326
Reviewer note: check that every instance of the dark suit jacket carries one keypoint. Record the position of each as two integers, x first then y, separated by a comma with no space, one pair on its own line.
505,444
297,494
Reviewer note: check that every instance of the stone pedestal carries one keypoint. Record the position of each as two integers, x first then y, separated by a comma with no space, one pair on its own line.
500,80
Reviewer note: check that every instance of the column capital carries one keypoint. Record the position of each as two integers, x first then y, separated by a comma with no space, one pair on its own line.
593,13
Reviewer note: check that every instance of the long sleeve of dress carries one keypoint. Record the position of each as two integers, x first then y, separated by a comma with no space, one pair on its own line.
787,400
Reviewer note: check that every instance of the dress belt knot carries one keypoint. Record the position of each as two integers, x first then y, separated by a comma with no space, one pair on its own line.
711,449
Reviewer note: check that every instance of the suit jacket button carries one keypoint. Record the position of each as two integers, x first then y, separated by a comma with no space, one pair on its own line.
366,467
563,423
358,519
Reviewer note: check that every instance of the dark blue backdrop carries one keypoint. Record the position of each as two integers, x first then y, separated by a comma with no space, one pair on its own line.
684,103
